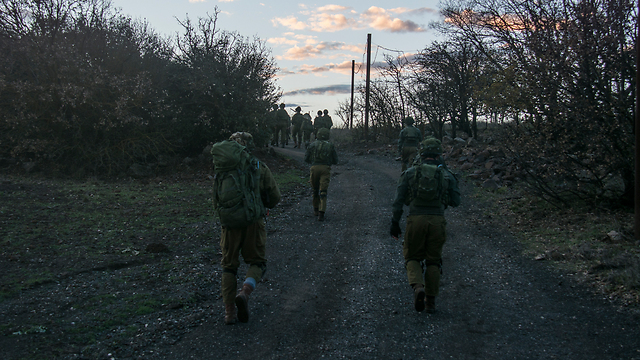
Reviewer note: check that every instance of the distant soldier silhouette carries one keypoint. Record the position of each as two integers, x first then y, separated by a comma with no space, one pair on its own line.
410,138
296,128
321,154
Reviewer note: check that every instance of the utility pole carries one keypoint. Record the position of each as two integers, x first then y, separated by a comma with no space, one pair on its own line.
366,96
353,71
636,192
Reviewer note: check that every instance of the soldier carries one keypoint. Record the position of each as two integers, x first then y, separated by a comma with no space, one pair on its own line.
296,132
283,123
273,124
410,138
427,188
321,154
307,129
318,123
250,238
328,123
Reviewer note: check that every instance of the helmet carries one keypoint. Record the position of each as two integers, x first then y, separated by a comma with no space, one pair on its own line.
275,106
408,120
298,109
243,138
430,146
326,111
319,112
324,134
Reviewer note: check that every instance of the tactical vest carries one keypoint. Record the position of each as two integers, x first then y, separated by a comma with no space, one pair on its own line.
411,136
322,153
429,186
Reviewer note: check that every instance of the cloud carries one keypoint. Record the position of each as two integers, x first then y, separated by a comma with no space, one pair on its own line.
331,18
197,1
380,19
305,47
324,90
343,68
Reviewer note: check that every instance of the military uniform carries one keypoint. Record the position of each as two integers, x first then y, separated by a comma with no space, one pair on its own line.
318,123
410,138
326,120
296,130
283,121
250,242
426,229
321,154
307,129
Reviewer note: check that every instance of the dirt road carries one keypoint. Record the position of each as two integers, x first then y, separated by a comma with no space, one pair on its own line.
337,289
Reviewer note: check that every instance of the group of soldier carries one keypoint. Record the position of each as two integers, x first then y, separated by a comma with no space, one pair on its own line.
425,223
299,126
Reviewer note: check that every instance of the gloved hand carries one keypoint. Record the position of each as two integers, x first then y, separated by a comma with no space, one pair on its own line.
395,229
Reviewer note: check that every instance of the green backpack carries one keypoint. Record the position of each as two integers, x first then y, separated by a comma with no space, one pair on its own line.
236,185
322,154
429,187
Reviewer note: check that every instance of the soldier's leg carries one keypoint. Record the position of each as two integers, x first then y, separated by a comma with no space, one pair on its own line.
436,238
253,252
325,179
314,180
230,243
413,249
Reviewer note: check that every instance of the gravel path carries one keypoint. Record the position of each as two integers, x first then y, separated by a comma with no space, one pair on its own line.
337,289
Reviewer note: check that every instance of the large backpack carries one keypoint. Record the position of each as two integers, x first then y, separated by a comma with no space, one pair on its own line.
236,185
429,186
322,153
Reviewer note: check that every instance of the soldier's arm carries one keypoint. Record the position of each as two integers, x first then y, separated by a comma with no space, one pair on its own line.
401,194
269,190
308,158
454,191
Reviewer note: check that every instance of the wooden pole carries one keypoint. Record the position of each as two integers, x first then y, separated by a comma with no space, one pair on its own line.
353,71
366,96
636,193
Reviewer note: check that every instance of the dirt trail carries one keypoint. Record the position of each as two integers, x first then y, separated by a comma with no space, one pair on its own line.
337,289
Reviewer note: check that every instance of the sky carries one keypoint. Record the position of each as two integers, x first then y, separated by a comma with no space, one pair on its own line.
313,43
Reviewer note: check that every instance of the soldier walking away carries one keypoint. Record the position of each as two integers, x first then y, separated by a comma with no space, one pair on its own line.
328,123
318,123
273,124
296,130
283,124
427,188
243,187
410,138
307,129
321,154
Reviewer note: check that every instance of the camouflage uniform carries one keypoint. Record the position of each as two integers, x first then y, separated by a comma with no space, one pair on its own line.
321,154
426,229
250,242
410,138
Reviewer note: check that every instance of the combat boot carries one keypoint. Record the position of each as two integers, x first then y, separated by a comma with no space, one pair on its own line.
242,302
315,212
230,314
430,303
320,215
418,297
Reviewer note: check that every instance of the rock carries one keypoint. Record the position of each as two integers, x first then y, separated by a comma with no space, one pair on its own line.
472,142
466,166
490,184
615,236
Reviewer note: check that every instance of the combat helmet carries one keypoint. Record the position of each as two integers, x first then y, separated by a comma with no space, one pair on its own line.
243,138
298,109
323,134
319,112
282,106
408,120
430,146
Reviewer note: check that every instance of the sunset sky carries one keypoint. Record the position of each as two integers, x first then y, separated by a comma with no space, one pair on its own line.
312,43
